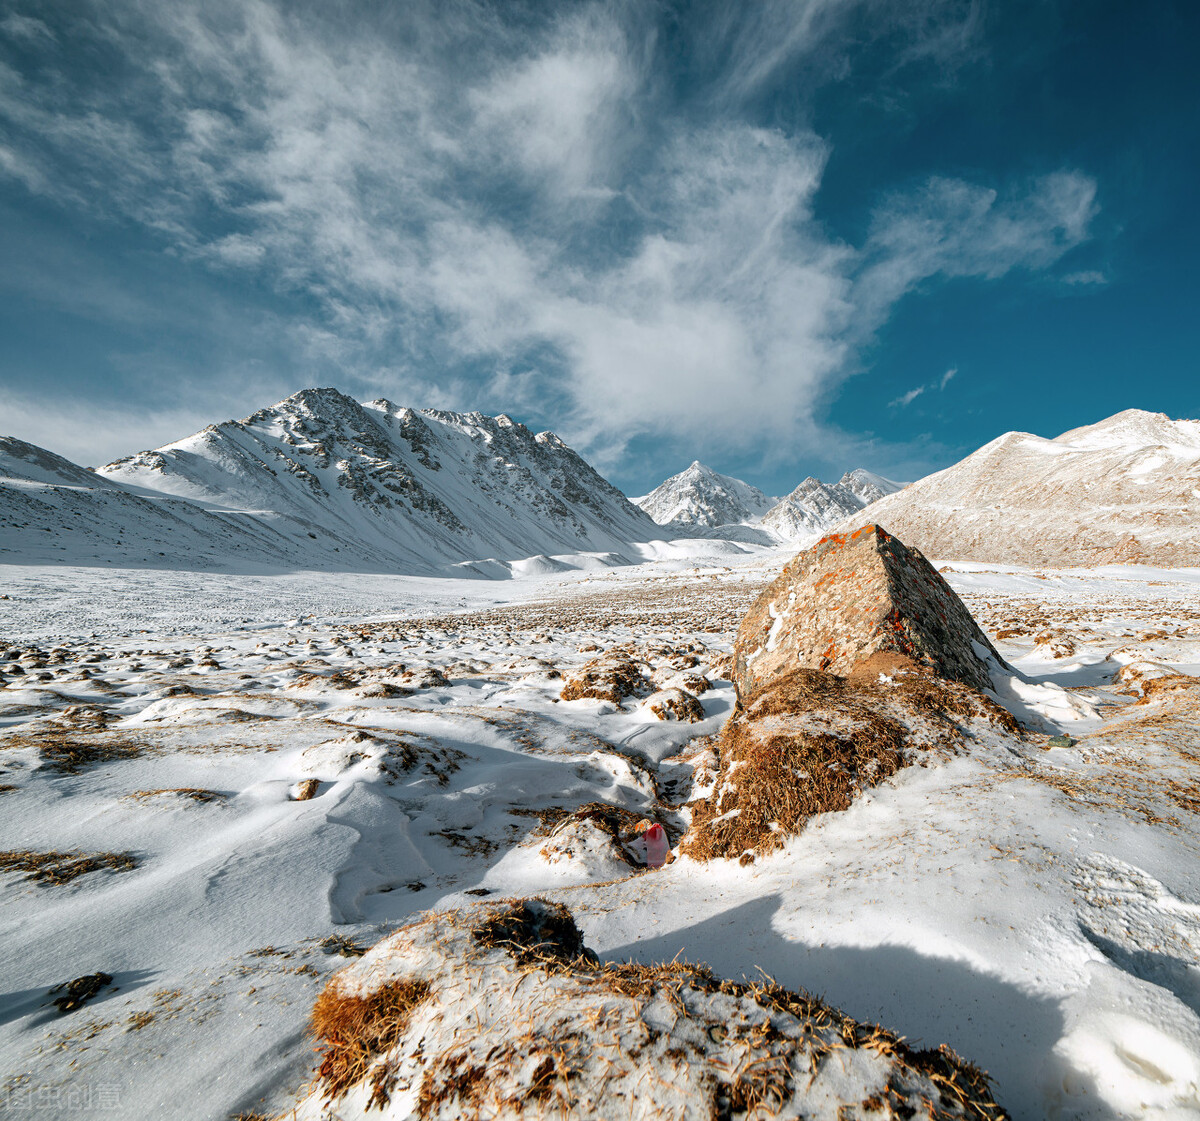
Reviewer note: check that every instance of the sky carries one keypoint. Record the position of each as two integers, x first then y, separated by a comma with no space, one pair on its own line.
786,237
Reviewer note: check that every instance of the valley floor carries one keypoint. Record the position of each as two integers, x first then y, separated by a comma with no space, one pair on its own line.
1037,907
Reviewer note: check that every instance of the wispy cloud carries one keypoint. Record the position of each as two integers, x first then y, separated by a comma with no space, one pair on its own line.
464,206
1085,277
93,434
906,399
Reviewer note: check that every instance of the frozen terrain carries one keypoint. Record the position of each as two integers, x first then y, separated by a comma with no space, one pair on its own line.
1036,907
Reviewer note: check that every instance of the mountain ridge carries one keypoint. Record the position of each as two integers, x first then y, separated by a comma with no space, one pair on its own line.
1125,490
327,481
700,500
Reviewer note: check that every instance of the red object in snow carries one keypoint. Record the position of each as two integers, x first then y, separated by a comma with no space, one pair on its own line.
657,849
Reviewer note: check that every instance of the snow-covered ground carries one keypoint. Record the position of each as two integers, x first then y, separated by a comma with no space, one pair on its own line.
1036,907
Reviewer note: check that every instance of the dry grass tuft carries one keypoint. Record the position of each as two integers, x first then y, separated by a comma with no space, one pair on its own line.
63,867
535,930
305,790
607,679
676,704
195,793
69,757
78,992
619,823
811,741
356,1029
340,944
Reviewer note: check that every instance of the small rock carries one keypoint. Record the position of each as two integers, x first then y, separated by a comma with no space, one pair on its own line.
80,991
304,790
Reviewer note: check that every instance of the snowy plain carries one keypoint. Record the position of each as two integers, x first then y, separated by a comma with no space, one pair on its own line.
1036,907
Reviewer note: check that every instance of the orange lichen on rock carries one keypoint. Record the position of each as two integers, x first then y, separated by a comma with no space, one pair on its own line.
849,597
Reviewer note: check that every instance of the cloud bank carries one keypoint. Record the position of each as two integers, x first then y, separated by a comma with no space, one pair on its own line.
494,205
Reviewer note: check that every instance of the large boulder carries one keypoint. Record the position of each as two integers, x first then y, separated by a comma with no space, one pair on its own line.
500,1011
859,598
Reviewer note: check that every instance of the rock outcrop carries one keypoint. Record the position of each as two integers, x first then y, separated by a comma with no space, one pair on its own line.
500,1011
858,598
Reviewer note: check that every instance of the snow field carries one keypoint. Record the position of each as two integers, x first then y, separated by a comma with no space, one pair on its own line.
1035,908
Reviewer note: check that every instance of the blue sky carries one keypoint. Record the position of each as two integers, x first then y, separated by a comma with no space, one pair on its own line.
782,237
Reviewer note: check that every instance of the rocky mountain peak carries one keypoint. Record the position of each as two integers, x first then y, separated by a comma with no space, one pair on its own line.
400,485
699,496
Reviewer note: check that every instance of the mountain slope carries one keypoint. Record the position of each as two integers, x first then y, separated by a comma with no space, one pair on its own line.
53,510
1125,490
399,488
699,497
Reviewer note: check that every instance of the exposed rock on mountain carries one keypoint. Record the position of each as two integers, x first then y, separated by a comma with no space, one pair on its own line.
399,485
814,506
501,1011
699,497
319,481
853,598
1123,491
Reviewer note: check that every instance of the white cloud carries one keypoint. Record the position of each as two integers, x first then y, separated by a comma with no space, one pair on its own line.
951,228
766,38
376,177
906,399
1085,277
17,26
91,434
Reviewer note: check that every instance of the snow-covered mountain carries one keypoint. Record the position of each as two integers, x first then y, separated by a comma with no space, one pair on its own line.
1123,491
699,497
814,506
701,501
54,511
319,480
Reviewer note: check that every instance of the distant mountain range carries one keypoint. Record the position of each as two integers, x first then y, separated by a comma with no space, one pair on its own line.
320,481
700,500
1123,491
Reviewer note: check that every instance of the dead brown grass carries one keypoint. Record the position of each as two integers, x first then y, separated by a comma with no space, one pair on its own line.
542,934
355,1030
63,867
810,742
79,991
606,679
194,793
340,944
70,756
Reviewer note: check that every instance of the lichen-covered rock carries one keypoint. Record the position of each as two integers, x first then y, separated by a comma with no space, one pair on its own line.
500,1011
853,597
